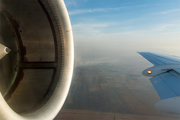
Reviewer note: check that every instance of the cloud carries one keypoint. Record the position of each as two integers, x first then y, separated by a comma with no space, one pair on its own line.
105,32
168,11
80,11
164,27
70,3
89,29
114,30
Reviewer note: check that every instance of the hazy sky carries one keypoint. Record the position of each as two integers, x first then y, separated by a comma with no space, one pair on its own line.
125,26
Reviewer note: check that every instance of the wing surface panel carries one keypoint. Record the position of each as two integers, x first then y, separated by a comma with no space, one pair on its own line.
160,59
176,74
165,59
151,59
170,57
162,88
173,82
177,70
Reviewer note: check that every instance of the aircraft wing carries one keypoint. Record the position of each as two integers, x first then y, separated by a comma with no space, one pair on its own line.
166,80
160,59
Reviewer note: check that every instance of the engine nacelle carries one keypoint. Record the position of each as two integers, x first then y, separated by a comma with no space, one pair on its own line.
35,76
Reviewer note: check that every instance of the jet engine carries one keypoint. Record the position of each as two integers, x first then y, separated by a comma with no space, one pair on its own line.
35,75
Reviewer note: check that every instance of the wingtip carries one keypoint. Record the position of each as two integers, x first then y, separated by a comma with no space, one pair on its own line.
142,53
139,52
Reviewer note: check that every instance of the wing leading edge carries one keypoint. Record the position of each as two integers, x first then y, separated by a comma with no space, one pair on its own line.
166,80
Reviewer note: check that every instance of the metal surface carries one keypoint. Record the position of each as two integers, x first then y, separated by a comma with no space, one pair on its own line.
41,60
9,63
156,70
170,105
3,51
165,79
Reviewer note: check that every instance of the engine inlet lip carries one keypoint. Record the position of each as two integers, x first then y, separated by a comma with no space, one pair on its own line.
51,107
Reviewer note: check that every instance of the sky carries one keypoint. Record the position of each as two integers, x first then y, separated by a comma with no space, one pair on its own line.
112,31
123,27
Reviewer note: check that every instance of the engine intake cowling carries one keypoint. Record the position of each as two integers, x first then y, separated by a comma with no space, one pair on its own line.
36,74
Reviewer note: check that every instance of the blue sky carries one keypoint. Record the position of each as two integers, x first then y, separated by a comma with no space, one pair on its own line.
126,25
